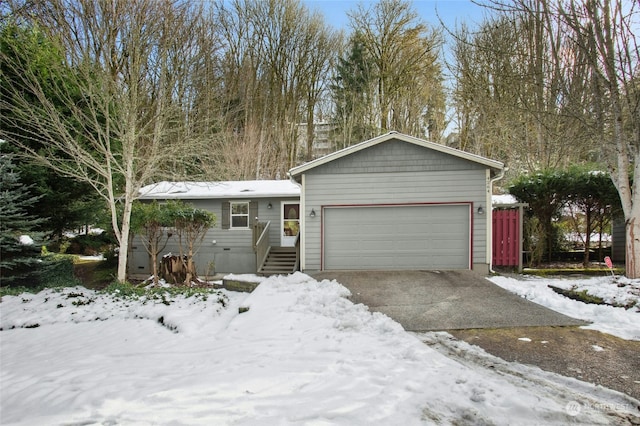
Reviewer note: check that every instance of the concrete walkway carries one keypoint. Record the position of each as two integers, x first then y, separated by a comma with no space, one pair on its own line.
444,300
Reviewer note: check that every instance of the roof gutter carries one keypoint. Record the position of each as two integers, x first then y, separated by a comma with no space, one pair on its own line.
302,252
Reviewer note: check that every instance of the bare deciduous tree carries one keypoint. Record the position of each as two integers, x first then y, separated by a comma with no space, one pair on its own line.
567,86
513,100
130,62
605,31
275,59
409,93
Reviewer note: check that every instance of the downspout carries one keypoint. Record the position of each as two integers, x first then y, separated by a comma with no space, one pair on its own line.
303,221
499,176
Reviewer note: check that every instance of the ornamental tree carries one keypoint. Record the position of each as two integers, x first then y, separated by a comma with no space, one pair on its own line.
592,194
191,225
150,221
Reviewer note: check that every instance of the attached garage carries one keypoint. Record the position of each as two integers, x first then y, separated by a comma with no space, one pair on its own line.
417,236
396,202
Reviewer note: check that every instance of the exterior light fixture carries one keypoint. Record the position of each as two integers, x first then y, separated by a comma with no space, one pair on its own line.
269,206
313,213
480,210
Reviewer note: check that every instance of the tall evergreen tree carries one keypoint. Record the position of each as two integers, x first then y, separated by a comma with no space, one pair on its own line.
132,64
352,86
19,256
63,203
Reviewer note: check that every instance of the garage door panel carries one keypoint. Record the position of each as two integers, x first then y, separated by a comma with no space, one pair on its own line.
397,237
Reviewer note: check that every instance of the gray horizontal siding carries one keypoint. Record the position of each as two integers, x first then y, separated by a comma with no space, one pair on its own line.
395,156
232,250
394,188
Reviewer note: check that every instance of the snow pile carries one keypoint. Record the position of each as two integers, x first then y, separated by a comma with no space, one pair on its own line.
618,291
616,320
503,199
245,278
301,355
80,305
26,240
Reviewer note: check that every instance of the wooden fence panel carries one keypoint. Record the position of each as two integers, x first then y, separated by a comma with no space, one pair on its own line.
506,237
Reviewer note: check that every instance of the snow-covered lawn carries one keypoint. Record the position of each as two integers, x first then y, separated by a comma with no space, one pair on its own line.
618,321
302,355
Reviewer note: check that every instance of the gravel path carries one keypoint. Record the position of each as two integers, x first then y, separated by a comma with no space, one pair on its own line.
587,355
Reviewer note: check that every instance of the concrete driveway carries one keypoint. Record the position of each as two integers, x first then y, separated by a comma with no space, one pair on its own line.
444,300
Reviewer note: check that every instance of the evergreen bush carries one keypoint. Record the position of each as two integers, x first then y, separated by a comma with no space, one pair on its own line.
57,271
20,255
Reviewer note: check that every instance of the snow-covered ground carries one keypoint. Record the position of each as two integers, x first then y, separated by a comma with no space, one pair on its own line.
302,355
620,291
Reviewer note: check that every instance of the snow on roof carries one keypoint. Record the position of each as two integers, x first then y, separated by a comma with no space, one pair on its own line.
230,189
503,199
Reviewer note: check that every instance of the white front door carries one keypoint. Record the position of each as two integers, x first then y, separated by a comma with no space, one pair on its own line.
290,223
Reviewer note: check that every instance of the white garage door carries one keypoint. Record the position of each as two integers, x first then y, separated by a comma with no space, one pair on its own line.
397,237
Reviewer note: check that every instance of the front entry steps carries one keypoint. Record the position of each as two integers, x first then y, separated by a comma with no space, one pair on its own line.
280,261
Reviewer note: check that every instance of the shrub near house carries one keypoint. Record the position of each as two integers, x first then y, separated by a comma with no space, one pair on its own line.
586,198
155,223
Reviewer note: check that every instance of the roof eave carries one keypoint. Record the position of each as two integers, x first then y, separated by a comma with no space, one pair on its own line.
495,166
178,196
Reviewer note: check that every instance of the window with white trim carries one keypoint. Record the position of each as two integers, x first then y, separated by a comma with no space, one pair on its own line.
239,214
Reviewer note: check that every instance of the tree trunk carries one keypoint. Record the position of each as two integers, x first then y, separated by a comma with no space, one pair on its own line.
384,111
632,267
173,269
630,199
191,274
154,261
587,237
548,239
310,130
123,253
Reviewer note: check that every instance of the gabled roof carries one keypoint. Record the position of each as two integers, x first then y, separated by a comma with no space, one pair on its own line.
495,166
211,190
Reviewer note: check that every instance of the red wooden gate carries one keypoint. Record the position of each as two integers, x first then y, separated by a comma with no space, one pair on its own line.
506,237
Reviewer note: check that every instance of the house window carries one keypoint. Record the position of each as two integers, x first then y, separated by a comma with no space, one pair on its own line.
240,214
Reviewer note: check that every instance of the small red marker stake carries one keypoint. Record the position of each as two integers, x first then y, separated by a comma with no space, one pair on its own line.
609,263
